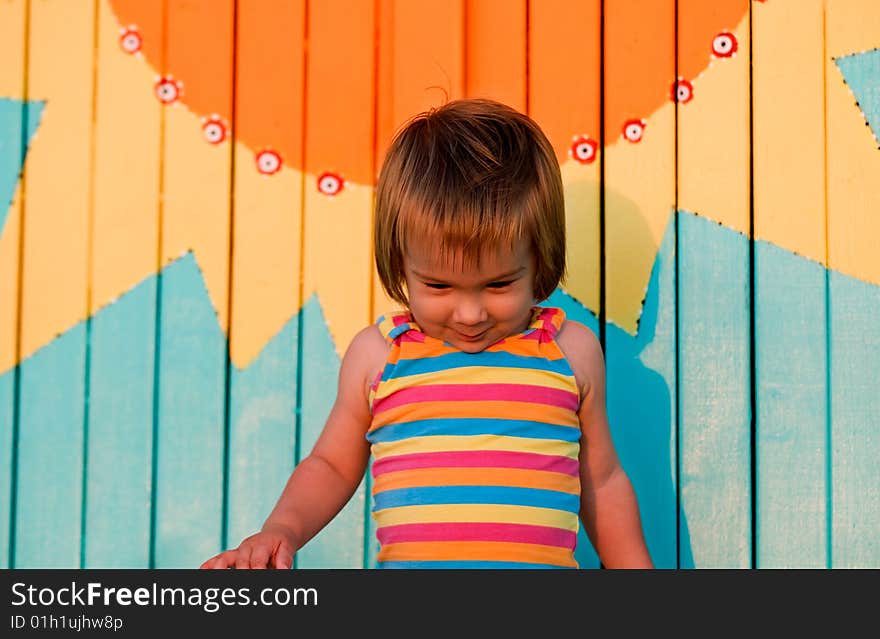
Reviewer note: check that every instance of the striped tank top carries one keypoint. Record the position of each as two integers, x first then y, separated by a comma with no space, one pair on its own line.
475,455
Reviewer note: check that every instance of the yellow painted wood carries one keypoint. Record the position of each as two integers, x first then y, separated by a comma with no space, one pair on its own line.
788,113
266,264
853,158
713,139
560,32
12,20
58,172
639,191
268,208
127,137
337,232
196,174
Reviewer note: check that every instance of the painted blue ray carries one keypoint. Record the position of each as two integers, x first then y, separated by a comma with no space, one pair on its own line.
14,114
862,74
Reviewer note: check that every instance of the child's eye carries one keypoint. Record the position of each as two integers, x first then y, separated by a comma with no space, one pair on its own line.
500,284
438,287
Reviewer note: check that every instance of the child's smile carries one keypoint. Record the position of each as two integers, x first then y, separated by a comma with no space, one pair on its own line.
470,306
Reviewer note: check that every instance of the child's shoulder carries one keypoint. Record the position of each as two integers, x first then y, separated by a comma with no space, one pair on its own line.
366,355
584,354
368,344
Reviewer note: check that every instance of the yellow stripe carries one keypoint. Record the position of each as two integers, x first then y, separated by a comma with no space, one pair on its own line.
477,551
481,375
477,477
448,443
477,513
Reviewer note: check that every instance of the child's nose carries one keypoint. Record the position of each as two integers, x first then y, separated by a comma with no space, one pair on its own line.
469,311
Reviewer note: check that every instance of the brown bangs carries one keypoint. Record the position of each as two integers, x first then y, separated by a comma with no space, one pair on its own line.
468,177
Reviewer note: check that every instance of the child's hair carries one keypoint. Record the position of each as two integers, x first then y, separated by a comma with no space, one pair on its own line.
470,175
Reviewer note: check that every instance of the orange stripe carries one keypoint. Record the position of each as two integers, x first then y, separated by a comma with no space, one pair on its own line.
477,551
497,409
524,347
522,478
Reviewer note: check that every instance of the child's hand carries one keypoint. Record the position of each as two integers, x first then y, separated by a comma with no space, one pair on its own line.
273,547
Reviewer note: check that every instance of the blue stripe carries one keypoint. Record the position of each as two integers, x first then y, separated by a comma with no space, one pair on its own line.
466,565
474,426
498,359
508,495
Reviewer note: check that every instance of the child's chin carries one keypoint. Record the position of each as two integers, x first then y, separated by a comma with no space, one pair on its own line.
471,347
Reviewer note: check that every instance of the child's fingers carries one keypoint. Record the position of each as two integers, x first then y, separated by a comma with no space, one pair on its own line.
260,557
284,557
243,559
223,560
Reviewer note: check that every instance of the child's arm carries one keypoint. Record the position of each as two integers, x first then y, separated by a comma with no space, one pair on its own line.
325,480
609,509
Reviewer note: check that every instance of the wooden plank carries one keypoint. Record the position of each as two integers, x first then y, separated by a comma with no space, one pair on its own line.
418,69
714,323
567,106
193,288
337,238
54,283
124,247
638,199
495,51
12,116
790,293
852,32
265,317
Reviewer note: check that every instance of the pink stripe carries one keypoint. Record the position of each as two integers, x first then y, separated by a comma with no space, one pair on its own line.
455,531
477,459
486,392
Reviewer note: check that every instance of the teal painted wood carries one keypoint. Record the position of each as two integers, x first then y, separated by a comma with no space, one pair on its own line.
50,454
861,71
7,414
341,543
855,422
791,410
120,431
262,436
190,416
15,115
714,381
642,405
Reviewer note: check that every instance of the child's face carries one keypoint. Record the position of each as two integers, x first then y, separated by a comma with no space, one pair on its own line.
470,307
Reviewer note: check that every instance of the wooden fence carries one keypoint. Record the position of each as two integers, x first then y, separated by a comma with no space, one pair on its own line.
185,210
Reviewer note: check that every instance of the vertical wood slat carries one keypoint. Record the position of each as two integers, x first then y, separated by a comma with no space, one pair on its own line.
495,51
634,210
853,199
266,263
339,141
54,263
12,120
566,107
124,247
714,299
790,296
194,258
